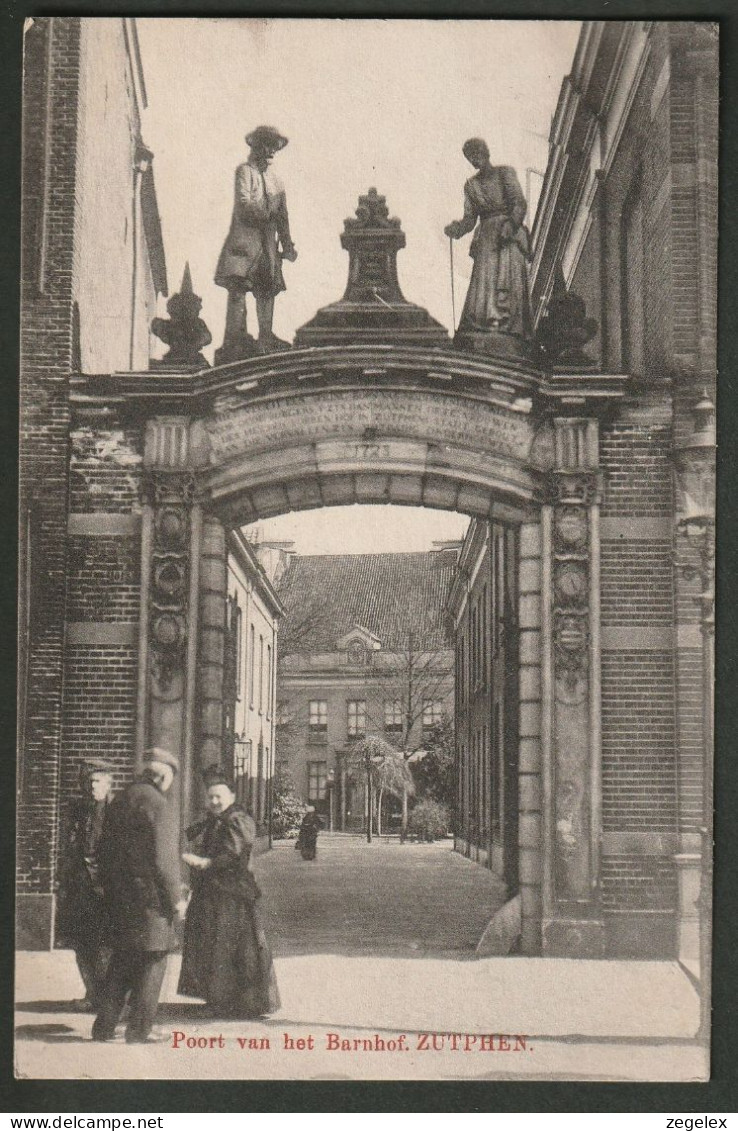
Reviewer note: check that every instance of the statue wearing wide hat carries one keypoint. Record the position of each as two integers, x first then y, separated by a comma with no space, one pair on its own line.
258,240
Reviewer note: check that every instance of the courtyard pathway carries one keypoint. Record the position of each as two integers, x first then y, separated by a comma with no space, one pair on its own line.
384,898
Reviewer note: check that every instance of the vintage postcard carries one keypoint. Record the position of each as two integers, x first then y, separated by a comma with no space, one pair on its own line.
367,480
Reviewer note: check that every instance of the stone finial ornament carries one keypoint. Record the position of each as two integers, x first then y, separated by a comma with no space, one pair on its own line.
373,308
564,330
183,331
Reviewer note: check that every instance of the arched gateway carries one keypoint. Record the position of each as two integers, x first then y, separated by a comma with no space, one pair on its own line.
374,405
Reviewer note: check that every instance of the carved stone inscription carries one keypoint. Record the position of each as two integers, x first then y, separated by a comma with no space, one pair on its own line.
285,422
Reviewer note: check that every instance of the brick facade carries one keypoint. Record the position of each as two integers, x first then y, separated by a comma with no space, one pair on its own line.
650,216
628,223
79,591
47,354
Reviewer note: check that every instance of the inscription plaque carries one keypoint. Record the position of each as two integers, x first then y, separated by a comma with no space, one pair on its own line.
288,421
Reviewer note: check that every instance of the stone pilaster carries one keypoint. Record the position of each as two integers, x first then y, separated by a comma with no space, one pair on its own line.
530,793
211,658
171,539
570,691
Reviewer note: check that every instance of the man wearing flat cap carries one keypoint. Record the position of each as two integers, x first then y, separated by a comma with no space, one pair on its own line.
139,868
258,240
82,921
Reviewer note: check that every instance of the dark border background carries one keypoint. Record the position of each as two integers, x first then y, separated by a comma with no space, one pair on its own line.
69,1097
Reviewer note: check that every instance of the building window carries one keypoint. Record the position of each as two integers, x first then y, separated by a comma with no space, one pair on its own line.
484,634
318,717
632,277
261,674
393,716
356,723
283,713
317,781
432,713
252,656
357,653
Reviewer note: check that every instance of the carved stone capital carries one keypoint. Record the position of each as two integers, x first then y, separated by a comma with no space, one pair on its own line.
167,489
576,487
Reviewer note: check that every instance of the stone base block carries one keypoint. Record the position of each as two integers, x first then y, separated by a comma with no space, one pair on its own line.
502,931
34,922
690,880
245,347
574,938
641,934
492,343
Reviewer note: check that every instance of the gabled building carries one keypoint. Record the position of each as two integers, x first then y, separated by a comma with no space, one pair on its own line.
363,650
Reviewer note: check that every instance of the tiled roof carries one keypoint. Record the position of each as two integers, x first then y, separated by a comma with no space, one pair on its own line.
390,594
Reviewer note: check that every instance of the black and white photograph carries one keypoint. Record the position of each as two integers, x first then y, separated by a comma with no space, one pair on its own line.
366,580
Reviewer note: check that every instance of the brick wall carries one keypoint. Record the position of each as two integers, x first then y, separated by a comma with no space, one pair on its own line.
51,77
99,710
104,578
639,758
103,598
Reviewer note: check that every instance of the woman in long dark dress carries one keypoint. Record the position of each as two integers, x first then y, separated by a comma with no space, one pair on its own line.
226,959
307,839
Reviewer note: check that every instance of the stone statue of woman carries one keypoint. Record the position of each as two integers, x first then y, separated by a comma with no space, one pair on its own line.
498,300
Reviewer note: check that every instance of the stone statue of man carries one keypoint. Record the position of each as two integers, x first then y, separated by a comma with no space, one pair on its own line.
497,301
259,238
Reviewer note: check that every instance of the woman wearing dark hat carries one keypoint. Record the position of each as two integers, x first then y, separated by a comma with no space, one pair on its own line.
258,240
225,959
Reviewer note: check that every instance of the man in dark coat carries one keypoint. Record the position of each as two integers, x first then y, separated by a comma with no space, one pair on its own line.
139,868
82,920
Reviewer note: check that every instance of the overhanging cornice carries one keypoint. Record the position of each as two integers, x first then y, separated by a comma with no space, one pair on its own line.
323,367
513,383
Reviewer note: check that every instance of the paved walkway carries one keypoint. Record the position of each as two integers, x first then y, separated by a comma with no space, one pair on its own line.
383,898
374,953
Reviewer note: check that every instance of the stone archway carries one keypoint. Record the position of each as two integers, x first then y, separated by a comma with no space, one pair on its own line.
330,426
374,406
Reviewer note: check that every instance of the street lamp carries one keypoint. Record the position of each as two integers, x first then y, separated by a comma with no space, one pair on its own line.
330,786
695,466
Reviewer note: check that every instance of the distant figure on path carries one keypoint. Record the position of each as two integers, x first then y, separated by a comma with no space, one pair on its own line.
226,959
258,240
140,873
82,921
307,839
498,298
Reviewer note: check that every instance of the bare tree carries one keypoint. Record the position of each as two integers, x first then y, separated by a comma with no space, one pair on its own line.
417,670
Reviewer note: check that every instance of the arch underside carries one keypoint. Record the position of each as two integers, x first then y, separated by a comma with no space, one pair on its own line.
390,471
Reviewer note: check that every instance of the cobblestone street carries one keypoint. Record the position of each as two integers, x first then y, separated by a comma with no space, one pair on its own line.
383,898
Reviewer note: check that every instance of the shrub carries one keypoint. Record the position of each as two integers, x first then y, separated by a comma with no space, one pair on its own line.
287,808
429,820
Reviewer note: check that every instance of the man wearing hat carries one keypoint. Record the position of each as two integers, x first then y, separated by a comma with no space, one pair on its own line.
82,921
139,868
259,238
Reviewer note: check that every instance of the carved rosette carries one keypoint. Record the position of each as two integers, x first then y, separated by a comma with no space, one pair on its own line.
171,494
571,577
